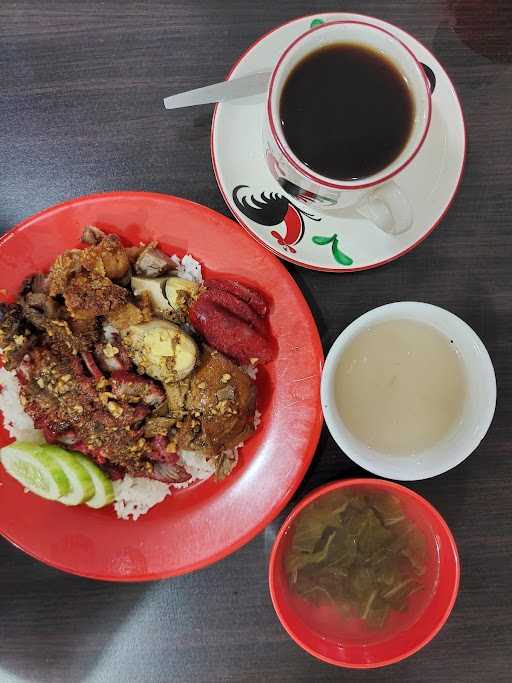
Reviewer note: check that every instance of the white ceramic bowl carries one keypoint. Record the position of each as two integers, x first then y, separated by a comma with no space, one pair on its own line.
478,408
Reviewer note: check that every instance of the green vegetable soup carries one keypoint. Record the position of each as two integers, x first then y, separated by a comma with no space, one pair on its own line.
358,564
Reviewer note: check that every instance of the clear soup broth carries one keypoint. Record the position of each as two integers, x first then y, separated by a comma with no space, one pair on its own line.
361,565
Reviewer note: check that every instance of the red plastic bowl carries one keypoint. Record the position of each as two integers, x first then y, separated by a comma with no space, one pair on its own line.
357,648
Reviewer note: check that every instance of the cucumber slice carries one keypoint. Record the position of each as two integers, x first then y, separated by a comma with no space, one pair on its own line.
35,470
82,486
104,494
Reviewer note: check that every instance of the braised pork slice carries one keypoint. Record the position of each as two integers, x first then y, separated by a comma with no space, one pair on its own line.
17,335
176,397
89,294
65,266
152,262
108,258
221,404
92,235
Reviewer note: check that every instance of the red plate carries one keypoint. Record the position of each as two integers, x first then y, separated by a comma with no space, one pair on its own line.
198,526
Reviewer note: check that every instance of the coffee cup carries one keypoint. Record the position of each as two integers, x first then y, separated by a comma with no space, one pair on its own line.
376,196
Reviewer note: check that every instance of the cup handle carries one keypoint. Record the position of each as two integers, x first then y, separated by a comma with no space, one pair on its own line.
388,208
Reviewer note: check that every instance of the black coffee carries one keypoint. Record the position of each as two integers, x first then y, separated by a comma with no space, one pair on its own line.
346,111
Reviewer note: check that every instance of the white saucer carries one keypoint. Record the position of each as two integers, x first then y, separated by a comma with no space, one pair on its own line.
332,241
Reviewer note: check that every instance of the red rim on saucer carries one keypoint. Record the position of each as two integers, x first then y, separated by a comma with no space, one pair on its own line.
398,644
200,525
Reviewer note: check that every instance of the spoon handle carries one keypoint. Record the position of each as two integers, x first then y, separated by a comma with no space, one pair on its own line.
220,92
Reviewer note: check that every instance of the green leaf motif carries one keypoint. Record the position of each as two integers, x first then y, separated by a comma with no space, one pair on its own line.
316,22
318,239
339,256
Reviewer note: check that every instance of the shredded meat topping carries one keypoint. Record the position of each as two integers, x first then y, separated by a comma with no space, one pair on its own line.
66,339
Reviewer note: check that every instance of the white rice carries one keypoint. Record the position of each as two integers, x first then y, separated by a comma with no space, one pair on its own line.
17,423
188,268
110,332
134,496
196,465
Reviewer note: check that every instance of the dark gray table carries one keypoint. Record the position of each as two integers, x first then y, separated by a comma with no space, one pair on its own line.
80,112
